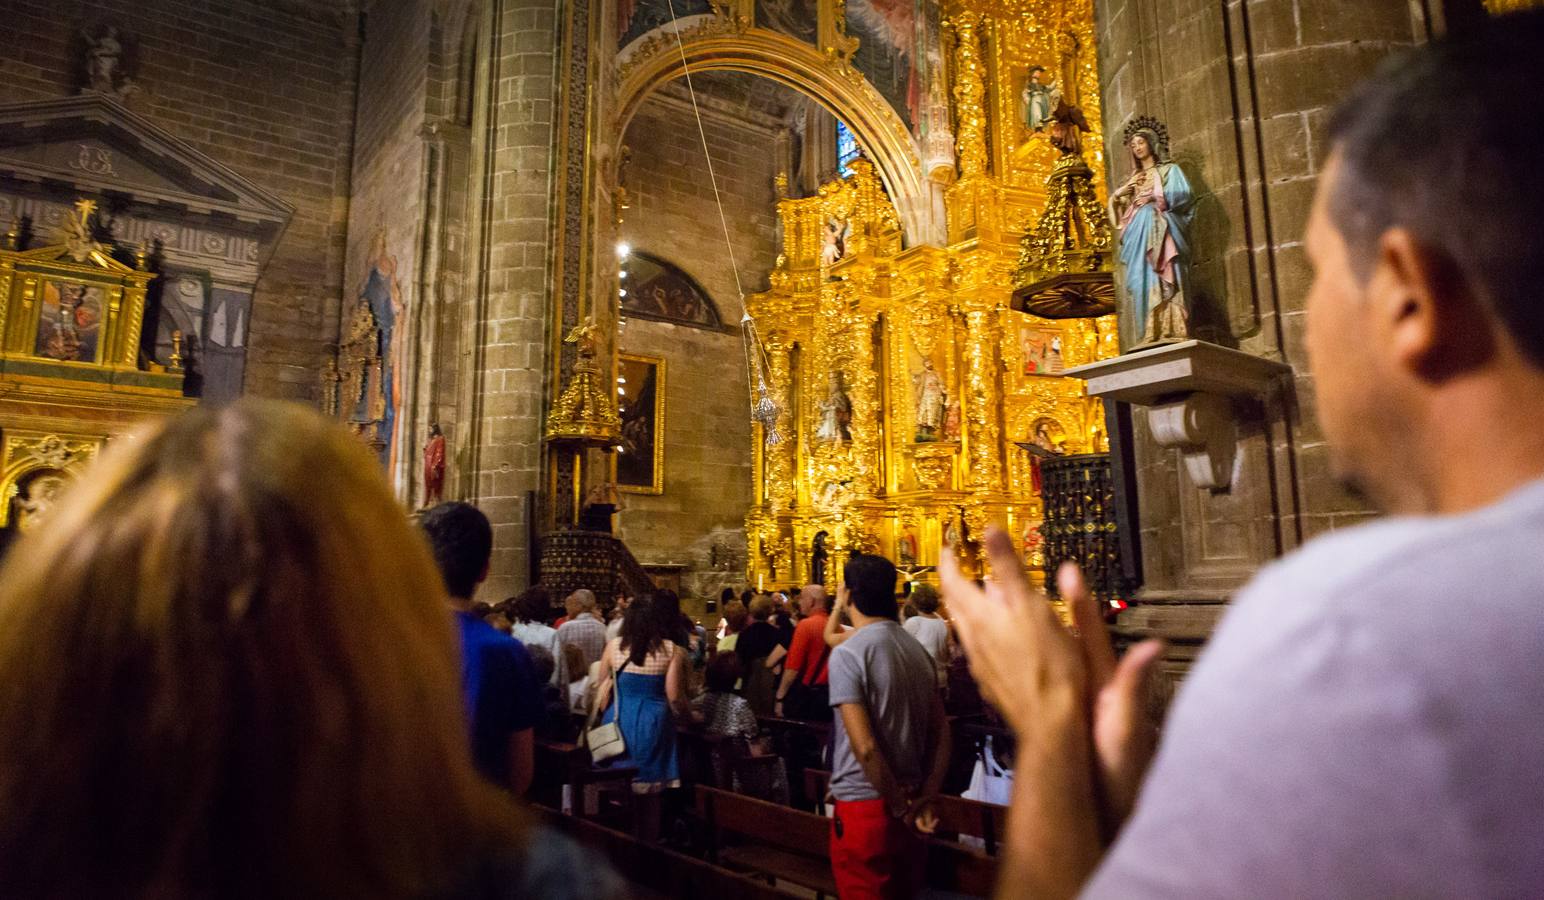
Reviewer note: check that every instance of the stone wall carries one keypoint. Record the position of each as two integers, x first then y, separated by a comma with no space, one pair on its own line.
264,88
1245,89
707,421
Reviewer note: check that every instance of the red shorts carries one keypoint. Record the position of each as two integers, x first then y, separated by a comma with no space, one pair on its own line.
874,856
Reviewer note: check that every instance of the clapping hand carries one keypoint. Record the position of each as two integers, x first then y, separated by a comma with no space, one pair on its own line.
1041,675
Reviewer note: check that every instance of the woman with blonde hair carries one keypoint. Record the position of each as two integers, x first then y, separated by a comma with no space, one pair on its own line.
227,670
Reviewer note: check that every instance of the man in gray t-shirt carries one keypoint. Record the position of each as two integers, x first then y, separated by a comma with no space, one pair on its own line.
891,740
1368,721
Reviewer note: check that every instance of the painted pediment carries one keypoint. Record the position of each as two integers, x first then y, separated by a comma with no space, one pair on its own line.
94,145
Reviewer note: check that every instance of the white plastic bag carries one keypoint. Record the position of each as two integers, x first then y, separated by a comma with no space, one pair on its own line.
989,781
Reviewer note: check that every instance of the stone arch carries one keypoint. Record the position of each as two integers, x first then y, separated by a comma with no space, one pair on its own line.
654,59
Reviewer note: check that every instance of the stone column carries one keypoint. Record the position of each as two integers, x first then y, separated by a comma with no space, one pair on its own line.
1246,88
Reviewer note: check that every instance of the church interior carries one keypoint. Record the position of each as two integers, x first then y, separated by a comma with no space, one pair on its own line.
708,296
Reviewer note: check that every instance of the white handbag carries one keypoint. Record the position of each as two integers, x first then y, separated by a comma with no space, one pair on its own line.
989,781
605,741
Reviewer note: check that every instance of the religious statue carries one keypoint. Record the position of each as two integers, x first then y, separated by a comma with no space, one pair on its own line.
818,556
835,413
833,243
1067,126
952,421
906,548
1040,98
104,63
42,493
1153,211
931,400
434,466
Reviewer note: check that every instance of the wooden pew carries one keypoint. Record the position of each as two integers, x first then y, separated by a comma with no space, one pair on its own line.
972,818
653,871
559,763
787,844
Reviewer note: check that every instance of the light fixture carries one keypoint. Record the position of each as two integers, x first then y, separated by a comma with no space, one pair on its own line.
622,292
623,249
622,274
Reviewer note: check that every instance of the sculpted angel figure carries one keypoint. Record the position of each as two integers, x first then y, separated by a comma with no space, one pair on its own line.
1153,211
1040,99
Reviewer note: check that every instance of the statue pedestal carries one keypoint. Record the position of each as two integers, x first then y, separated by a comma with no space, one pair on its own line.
932,463
1192,390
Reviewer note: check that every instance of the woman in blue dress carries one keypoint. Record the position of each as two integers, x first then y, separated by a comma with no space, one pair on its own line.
643,679
1153,210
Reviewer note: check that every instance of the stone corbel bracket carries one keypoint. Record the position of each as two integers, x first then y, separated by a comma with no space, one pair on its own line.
1191,390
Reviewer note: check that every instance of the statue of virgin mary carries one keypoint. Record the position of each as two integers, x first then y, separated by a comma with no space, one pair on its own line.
1152,211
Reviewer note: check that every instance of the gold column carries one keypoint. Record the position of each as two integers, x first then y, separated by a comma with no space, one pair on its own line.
969,94
981,393
865,404
780,482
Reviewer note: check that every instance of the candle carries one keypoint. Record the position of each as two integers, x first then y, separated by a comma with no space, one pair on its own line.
758,582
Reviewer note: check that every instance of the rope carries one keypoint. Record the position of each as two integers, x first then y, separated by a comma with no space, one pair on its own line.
763,408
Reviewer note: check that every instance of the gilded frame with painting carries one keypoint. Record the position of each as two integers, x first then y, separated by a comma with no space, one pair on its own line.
640,461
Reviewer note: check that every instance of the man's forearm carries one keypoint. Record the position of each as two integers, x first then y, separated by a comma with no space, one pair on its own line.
879,775
1052,843
940,767
789,674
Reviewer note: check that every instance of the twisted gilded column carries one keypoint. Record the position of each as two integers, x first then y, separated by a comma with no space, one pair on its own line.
779,458
863,391
969,93
981,393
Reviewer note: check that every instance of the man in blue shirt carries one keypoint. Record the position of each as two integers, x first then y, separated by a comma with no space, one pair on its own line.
503,700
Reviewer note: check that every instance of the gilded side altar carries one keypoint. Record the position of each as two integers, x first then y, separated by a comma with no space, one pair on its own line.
904,379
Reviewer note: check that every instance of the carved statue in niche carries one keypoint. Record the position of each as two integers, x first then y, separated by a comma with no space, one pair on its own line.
1067,127
835,413
952,421
931,400
1040,99
42,492
1153,211
105,63
434,466
818,556
906,548
833,242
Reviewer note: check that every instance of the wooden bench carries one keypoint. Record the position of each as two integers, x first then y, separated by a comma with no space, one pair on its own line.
786,843
971,818
560,764
653,871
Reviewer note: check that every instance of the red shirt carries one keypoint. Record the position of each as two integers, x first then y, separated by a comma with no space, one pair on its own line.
809,654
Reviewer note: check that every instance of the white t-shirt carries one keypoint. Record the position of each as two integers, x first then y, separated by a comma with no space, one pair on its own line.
1368,721
933,635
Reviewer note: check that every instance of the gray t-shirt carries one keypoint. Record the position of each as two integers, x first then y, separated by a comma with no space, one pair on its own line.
1367,722
886,670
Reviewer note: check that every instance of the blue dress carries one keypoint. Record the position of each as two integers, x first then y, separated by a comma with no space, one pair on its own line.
641,710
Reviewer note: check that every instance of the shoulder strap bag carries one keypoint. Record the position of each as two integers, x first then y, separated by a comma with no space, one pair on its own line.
605,741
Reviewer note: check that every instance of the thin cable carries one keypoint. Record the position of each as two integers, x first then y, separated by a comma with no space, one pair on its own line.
703,135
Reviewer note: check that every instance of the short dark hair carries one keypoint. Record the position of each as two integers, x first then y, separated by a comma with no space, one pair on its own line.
462,541
543,663
870,584
535,605
1453,172
726,595
723,671
925,598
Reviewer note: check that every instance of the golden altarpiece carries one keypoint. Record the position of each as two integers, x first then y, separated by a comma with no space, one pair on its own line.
70,373
906,384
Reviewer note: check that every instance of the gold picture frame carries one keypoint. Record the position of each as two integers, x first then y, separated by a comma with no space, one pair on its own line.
640,458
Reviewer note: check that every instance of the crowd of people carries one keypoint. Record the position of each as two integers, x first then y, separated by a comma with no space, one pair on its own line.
230,666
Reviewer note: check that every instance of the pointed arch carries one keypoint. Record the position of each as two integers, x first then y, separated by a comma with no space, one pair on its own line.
655,59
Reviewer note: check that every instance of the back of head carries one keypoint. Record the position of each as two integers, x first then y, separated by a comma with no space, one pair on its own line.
533,606
722,673
1454,173
726,595
870,582
462,541
186,652
761,608
643,631
925,598
583,600
735,615
543,663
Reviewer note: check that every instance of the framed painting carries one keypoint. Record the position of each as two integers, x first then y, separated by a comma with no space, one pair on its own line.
641,404
1042,350
71,320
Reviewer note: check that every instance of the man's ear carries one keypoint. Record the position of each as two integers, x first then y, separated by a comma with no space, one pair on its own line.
487,567
1435,327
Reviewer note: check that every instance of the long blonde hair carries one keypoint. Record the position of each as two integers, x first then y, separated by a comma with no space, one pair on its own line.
227,669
